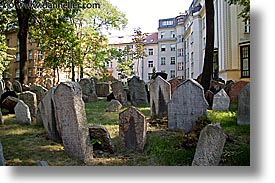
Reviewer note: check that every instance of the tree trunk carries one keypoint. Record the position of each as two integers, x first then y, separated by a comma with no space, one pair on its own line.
209,49
73,72
23,15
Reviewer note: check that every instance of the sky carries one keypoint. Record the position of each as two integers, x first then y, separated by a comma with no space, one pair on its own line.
146,13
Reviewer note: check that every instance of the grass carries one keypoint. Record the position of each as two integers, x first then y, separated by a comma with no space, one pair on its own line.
27,145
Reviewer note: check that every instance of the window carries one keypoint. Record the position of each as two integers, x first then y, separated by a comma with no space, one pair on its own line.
173,73
150,76
150,52
173,35
163,48
162,61
150,64
192,37
180,38
168,22
162,35
17,73
30,55
245,61
40,55
130,47
173,47
17,56
247,26
180,52
192,57
173,61
180,66
40,70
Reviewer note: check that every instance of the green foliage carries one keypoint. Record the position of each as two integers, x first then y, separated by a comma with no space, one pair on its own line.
245,13
125,62
154,73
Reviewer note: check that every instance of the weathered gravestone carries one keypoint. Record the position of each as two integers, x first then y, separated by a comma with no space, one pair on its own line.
138,93
47,115
29,98
114,106
209,96
103,89
119,92
210,146
17,87
244,106
186,106
72,121
2,159
174,84
39,90
235,90
8,102
101,134
22,113
221,101
88,90
2,87
216,86
160,95
132,129
8,86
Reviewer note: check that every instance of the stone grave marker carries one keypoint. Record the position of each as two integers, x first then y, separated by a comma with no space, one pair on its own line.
103,89
88,90
119,92
235,90
2,87
40,92
132,129
210,146
113,106
8,86
221,101
48,116
174,84
72,121
138,93
243,117
160,95
22,113
17,87
186,106
209,96
2,159
29,98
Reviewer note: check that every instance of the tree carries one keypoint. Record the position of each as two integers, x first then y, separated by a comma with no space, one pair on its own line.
209,47
245,13
125,62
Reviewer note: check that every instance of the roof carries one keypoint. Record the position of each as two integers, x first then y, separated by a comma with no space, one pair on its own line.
152,38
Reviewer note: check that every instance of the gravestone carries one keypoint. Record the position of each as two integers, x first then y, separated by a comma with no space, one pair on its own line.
132,129
174,84
221,101
2,87
48,116
113,106
29,98
39,90
227,86
22,113
119,92
160,95
244,106
9,102
209,96
216,86
8,86
88,90
137,90
2,159
186,106
210,146
72,121
235,90
103,89
17,87
101,134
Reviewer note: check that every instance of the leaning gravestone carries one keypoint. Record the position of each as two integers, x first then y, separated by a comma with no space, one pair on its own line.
235,90
39,90
119,92
160,95
17,87
103,89
244,106
132,129
2,159
88,90
29,98
114,106
22,113
221,101
48,117
72,121
101,134
186,106
138,93
210,146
